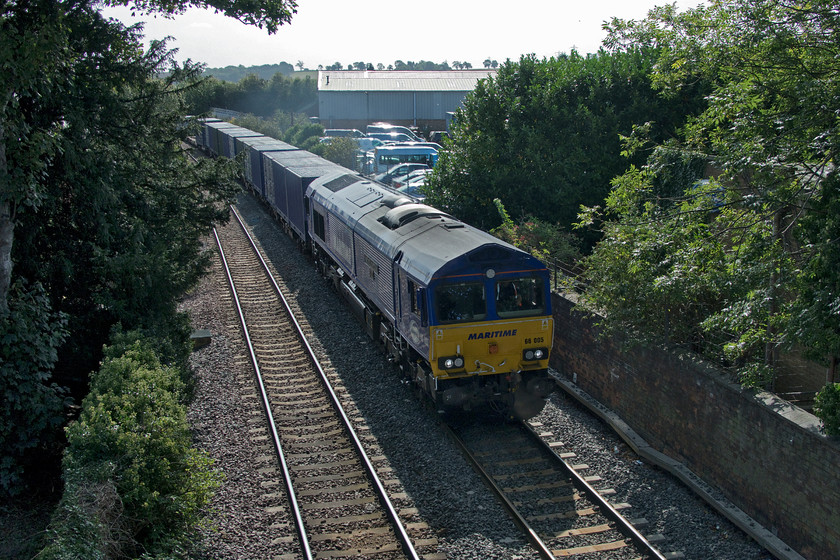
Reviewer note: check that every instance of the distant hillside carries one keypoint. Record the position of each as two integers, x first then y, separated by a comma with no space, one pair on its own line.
236,73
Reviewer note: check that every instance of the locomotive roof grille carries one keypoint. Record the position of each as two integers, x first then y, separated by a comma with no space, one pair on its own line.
341,182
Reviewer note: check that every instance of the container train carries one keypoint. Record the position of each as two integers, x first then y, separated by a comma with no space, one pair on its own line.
465,316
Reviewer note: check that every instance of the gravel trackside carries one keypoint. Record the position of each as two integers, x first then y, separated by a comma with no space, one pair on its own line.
449,496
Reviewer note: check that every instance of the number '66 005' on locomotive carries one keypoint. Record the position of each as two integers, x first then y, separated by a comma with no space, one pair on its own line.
465,315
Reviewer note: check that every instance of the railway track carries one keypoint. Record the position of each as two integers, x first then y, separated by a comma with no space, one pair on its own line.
558,509
330,500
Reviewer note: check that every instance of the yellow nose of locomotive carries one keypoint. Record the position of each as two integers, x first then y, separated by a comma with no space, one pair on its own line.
490,348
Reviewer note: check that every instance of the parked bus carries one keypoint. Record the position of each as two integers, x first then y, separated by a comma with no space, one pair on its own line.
386,157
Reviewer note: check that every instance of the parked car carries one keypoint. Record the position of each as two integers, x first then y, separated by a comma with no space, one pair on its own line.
344,132
381,127
438,136
368,144
391,136
399,171
418,176
414,191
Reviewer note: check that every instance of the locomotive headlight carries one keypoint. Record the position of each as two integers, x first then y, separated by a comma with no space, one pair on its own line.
451,362
534,354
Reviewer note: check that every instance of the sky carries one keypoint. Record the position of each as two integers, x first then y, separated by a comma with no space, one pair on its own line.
323,32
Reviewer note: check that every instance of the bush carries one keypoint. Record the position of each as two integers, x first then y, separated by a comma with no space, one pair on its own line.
827,408
339,150
169,343
543,240
132,436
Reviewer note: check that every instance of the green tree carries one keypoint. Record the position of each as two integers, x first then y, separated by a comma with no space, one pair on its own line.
37,64
342,151
268,14
99,203
543,136
767,243
33,405
254,95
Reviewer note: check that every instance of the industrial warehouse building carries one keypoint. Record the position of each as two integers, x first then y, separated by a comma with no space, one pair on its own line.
422,99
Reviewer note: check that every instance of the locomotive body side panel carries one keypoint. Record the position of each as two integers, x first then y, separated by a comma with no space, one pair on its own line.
339,242
375,275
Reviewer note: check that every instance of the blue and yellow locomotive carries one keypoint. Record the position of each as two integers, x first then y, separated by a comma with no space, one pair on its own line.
467,317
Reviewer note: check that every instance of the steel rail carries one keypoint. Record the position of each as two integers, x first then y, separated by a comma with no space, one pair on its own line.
625,527
290,491
408,546
542,549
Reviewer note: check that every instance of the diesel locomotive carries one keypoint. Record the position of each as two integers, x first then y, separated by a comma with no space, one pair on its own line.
465,316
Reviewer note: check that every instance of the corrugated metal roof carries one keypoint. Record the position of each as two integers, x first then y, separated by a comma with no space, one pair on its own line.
372,80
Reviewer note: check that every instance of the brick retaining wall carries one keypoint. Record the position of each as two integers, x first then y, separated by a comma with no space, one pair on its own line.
765,455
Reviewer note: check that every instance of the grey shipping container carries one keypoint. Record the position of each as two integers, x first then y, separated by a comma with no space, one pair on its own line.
298,178
215,138
275,164
201,137
254,169
231,135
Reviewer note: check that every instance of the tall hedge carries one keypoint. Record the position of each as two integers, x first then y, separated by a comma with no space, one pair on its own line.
134,484
32,406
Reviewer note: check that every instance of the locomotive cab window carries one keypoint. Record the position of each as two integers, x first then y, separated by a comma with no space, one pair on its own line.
418,307
520,297
460,303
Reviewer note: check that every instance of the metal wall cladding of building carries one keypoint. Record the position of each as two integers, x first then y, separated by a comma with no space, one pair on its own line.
388,106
